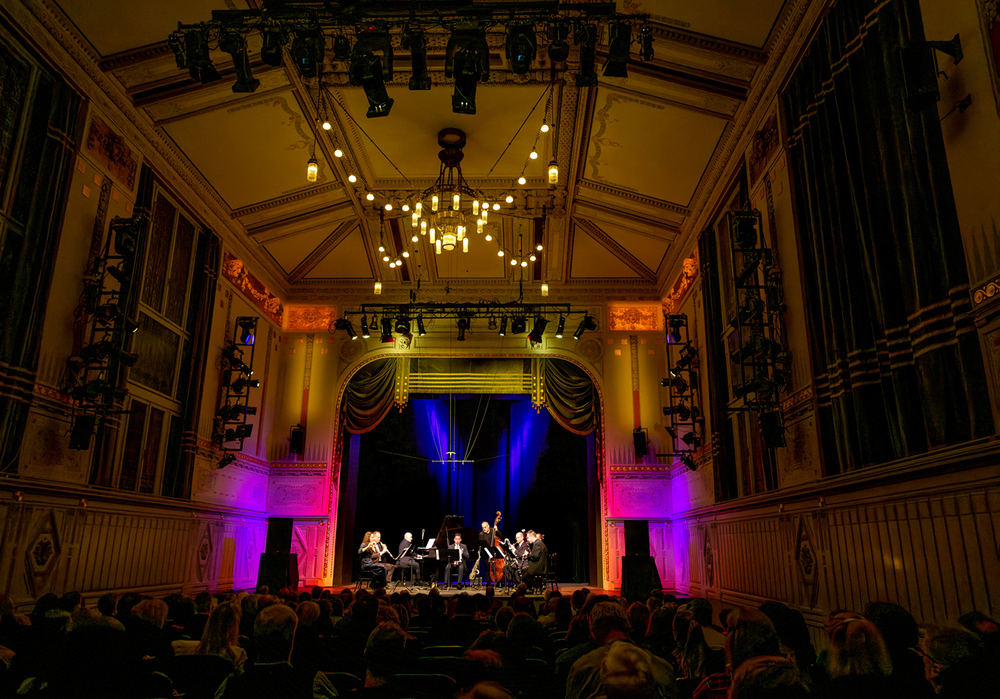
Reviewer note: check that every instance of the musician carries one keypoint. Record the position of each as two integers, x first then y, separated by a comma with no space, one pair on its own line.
463,556
516,565
538,559
407,561
370,553
486,538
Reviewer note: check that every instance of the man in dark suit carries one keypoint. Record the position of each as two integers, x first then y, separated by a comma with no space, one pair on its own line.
515,566
407,561
538,559
463,556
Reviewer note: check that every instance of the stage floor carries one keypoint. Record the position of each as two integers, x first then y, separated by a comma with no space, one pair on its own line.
501,592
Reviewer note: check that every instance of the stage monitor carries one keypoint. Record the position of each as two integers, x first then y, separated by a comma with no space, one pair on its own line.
637,537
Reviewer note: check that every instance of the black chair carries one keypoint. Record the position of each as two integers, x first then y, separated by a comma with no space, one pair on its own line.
343,682
427,684
199,676
549,576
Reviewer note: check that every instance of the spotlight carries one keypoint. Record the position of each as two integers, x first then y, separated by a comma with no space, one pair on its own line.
364,327
198,63
386,329
675,324
120,276
243,383
621,39
559,47
270,52
416,42
227,459
308,50
536,332
126,238
341,47
420,326
463,325
679,385
244,431
646,43
518,325
248,328
366,71
692,439
586,324
521,47
561,326
231,413
233,356
402,325
92,390
586,39
236,46
467,59
503,326
689,462
108,314
745,229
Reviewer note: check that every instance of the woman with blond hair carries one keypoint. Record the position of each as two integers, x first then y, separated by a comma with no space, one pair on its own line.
221,634
858,662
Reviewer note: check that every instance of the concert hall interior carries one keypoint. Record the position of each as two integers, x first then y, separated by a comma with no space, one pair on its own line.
734,278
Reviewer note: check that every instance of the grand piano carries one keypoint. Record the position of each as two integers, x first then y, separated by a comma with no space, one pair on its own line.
438,554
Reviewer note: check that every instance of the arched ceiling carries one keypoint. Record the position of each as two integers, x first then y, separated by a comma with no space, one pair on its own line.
633,152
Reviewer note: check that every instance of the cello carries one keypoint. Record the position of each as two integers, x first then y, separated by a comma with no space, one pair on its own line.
497,562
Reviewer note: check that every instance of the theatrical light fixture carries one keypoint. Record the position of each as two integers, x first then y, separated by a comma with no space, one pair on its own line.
386,329
621,39
521,47
503,326
248,328
463,325
692,439
270,52
536,332
402,325
467,59
236,46
518,324
679,385
367,72
415,40
420,326
561,326
226,459
341,47
308,50
364,327
675,323
196,58
586,324
689,462
558,48
645,43
243,383
586,39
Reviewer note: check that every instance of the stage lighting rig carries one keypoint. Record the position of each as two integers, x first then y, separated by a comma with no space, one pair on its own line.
231,426
586,324
616,66
685,422
235,45
521,47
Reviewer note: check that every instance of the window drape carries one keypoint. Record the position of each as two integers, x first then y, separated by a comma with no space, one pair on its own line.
897,364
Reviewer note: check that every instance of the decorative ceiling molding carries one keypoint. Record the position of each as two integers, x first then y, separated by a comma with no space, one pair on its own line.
308,193
619,251
134,56
653,205
706,43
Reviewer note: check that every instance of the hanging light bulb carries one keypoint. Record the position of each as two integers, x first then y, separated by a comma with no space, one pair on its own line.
406,253
414,238
545,289
433,235
456,201
434,202
381,248
399,262
553,172
465,245
485,215
533,154
524,263
415,219
388,205
370,196
418,209
538,247
312,169
513,262
499,253
521,180
406,207
392,265
460,229
496,207
327,125
378,287
352,178
545,127
423,226
437,247
532,257
475,207
479,226
488,237
510,199
385,258
337,153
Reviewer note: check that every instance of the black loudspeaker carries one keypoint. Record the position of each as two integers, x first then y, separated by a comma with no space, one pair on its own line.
636,537
297,442
639,578
279,535
83,429
639,439
278,570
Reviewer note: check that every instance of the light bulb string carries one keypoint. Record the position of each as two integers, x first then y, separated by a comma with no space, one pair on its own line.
507,147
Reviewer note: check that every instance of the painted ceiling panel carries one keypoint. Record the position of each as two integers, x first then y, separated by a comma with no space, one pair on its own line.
113,26
648,147
348,260
591,260
743,22
250,152
291,250
645,248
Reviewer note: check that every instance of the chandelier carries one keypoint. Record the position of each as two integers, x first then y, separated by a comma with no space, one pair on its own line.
450,209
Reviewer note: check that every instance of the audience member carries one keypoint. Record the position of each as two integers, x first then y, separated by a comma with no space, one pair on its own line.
221,635
956,663
858,664
767,677
749,633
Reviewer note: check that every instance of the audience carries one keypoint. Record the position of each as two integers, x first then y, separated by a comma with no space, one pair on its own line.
564,647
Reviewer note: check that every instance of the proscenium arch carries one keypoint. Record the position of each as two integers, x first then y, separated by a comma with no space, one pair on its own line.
602,567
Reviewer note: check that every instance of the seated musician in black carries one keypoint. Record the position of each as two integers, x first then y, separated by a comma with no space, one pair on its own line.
407,561
514,569
538,560
370,553
463,556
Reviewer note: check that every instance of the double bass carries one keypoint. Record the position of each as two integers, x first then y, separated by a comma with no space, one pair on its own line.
497,562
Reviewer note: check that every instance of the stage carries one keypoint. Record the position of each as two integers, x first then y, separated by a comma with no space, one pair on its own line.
501,592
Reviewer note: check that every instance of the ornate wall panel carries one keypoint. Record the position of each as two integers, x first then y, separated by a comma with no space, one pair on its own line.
309,542
640,497
295,492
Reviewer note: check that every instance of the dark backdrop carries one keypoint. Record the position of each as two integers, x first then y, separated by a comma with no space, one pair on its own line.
517,460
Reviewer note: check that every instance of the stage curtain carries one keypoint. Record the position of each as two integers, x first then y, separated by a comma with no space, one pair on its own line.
369,395
897,364
570,395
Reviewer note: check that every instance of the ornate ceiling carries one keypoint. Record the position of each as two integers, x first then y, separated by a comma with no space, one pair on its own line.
634,153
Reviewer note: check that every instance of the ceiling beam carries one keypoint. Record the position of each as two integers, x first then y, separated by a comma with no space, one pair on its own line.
619,251
314,258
